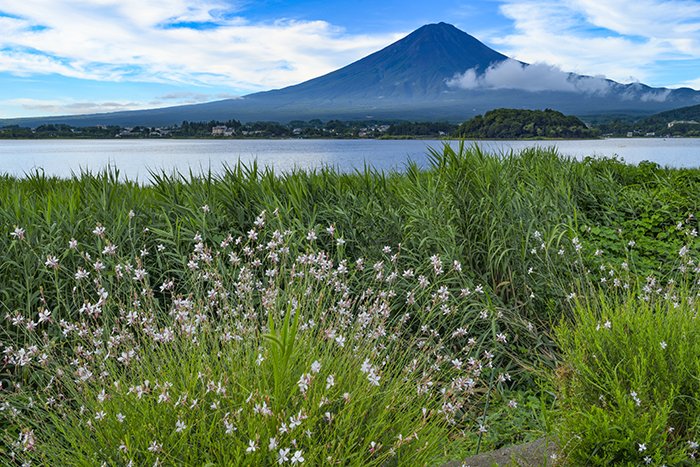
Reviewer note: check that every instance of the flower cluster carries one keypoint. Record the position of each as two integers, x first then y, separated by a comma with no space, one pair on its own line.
263,336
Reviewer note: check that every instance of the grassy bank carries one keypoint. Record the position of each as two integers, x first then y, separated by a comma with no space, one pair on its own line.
256,317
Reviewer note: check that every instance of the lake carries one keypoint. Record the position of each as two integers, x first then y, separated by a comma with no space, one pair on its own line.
134,158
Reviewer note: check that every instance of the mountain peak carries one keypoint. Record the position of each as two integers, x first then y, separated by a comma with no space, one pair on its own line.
416,66
440,27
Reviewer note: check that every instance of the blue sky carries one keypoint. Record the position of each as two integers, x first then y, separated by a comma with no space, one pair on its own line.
68,57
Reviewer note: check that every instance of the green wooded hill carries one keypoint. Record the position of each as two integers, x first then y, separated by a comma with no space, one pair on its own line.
519,124
677,122
684,113
681,122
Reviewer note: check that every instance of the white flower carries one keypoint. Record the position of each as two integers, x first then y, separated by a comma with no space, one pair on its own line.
180,426
273,444
18,233
51,262
251,446
330,381
99,230
297,458
642,447
373,378
109,250
283,456
664,345
316,366
155,447
139,274
303,382
81,274
44,315
229,427
120,418
366,366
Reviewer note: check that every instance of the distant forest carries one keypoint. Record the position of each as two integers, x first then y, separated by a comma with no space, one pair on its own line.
236,129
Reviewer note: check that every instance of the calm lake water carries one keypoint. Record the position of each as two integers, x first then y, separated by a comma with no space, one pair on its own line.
134,158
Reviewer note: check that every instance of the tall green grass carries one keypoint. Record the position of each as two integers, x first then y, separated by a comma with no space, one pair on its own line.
477,207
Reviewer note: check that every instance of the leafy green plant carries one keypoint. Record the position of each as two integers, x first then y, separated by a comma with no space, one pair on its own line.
281,348
628,387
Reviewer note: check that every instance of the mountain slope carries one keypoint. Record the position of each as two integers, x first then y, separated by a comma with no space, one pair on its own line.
410,79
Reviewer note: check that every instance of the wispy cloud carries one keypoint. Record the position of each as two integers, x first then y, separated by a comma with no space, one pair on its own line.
694,83
621,39
188,97
202,42
70,107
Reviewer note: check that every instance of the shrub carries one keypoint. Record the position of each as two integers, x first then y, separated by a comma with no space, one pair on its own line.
629,388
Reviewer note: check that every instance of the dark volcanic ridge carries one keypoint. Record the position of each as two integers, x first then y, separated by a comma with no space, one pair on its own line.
435,73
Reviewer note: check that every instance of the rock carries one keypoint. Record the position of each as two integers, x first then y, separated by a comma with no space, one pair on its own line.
535,453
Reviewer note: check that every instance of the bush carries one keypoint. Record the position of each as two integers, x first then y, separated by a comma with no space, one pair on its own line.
629,388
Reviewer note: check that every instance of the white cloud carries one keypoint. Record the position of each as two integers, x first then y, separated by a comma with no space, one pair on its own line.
135,40
511,74
621,39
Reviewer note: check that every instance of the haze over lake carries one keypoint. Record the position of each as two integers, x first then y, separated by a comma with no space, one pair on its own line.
134,158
